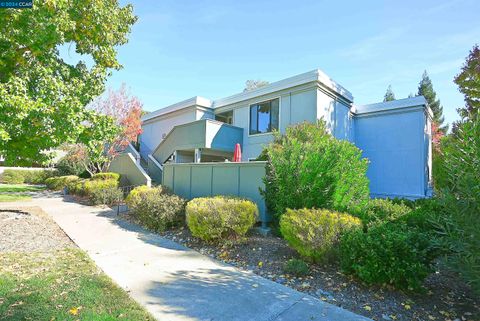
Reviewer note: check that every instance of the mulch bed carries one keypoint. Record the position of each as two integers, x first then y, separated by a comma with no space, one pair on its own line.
28,229
445,296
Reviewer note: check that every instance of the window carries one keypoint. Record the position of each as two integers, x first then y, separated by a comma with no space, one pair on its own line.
225,117
264,117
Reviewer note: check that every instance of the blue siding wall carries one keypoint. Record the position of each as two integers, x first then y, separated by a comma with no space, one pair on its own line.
395,145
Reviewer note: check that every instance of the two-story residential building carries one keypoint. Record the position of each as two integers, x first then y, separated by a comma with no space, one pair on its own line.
395,136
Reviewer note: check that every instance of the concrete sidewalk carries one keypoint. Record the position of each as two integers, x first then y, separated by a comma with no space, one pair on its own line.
174,282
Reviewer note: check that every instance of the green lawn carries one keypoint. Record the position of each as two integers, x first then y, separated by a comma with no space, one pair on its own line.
14,197
16,192
18,188
61,285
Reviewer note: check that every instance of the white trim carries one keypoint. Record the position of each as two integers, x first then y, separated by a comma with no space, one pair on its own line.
279,113
191,102
315,76
390,112
142,171
391,105
135,152
312,76
150,157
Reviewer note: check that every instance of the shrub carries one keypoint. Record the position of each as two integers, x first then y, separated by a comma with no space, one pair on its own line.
426,215
106,176
38,176
213,218
296,267
77,187
20,176
106,196
70,166
90,186
59,182
384,210
461,198
308,168
156,208
315,233
388,254
10,176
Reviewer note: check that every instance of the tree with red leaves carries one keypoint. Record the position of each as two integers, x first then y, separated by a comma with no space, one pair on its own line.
126,111
437,134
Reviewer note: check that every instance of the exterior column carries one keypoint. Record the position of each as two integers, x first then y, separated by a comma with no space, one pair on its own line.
175,157
197,157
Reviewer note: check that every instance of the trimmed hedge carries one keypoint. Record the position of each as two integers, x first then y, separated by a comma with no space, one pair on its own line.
106,176
59,182
91,186
98,191
10,176
393,254
156,208
315,233
219,217
20,176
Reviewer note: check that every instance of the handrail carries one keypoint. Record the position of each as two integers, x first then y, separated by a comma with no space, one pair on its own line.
150,157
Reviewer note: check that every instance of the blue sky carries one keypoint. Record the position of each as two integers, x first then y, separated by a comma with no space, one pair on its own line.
179,49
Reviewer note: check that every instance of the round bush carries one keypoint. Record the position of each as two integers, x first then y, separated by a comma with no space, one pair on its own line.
388,254
156,208
212,218
384,210
90,186
106,176
315,233
59,182
77,187
106,196
308,168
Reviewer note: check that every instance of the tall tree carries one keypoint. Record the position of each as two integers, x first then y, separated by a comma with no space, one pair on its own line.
468,81
126,111
425,89
389,95
43,98
252,84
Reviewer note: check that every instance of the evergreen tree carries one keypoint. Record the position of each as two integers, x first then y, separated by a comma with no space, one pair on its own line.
389,95
425,89
468,81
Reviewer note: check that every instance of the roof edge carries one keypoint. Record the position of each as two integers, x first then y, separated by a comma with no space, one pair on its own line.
315,75
392,105
194,101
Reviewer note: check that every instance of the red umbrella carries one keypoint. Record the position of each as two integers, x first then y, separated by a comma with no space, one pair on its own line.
237,153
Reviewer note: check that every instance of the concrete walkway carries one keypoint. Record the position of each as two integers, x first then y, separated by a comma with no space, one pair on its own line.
174,282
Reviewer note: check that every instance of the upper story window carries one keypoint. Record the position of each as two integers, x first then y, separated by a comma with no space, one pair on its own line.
264,117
